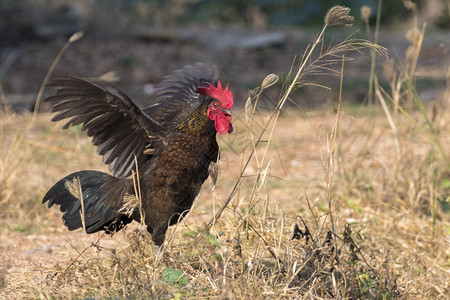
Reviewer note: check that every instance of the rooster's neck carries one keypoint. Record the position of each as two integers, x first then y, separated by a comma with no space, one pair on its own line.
198,122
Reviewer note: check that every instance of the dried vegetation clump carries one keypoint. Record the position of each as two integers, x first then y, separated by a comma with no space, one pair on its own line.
350,203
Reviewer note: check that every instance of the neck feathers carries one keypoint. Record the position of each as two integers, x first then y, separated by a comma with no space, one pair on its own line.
198,122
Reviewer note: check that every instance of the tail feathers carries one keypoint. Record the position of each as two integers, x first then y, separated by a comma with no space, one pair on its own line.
102,197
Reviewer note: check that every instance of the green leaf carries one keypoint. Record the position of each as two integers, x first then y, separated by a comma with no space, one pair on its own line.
213,241
191,233
174,277
445,184
352,203
218,257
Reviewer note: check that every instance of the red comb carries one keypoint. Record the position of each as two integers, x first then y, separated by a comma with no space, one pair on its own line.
224,95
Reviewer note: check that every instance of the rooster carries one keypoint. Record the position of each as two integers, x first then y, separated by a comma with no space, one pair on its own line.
159,155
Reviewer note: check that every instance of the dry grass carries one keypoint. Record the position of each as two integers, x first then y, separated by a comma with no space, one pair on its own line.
389,247
307,205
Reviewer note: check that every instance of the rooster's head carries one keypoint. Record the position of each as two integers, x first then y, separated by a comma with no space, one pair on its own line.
219,108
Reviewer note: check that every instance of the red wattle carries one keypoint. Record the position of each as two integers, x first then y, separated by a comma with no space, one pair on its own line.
222,123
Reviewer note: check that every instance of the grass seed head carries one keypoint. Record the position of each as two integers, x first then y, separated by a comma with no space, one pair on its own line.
366,11
410,54
76,36
339,16
389,70
410,5
270,80
413,35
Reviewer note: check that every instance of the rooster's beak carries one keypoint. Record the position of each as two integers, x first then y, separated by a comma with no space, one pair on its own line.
226,111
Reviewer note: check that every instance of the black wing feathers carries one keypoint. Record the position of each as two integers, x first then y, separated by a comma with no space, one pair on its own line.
176,96
119,128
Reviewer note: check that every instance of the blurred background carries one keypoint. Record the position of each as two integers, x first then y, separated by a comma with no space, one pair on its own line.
140,41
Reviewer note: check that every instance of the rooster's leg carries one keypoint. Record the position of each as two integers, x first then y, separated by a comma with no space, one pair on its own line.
158,233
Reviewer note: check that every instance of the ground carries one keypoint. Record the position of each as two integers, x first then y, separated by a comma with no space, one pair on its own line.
382,200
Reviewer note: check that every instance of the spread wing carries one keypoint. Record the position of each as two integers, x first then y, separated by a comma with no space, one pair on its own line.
176,96
119,128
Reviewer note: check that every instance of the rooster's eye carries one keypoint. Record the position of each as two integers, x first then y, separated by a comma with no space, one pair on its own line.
215,105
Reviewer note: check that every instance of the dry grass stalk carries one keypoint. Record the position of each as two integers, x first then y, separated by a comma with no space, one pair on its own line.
74,188
390,120
73,38
137,191
130,204
331,152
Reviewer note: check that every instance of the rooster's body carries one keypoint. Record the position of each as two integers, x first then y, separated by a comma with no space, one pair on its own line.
169,145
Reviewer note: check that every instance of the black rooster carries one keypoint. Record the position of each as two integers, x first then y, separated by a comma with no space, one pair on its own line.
168,145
